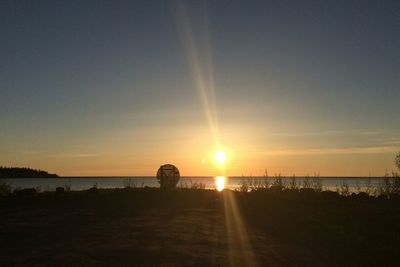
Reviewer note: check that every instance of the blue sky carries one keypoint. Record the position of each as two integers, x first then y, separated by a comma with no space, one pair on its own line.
109,88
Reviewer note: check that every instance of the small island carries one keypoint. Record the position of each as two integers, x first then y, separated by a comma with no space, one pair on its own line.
15,172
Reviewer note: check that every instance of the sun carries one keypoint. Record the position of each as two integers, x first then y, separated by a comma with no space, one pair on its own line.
220,157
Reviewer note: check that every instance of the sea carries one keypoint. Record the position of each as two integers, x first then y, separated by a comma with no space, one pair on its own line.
354,184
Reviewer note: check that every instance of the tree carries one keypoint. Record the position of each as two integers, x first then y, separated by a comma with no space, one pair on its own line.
397,161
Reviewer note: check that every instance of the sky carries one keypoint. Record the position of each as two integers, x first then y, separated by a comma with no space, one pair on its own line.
115,88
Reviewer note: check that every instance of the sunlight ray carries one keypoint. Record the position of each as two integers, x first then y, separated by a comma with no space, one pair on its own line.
240,249
202,71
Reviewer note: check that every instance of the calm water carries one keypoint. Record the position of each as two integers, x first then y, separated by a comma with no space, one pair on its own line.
83,183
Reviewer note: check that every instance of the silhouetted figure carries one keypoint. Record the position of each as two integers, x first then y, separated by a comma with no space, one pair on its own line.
168,176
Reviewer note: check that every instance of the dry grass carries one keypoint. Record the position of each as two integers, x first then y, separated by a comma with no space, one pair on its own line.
187,227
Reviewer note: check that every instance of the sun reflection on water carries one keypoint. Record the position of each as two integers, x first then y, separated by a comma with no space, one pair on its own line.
220,182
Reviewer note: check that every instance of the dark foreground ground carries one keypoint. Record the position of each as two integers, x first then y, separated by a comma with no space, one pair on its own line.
148,227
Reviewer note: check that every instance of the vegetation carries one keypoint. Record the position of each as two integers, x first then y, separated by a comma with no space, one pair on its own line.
5,188
388,186
343,189
397,161
279,182
67,185
151,227
14,172
194,186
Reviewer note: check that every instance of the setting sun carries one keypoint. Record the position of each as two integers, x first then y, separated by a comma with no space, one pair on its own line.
220,157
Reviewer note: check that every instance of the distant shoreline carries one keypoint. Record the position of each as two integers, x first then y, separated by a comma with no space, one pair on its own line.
23,172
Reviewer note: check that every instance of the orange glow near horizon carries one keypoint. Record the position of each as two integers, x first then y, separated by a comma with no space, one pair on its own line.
195,141
213,110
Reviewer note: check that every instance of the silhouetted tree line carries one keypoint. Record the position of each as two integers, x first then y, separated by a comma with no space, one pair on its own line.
13,172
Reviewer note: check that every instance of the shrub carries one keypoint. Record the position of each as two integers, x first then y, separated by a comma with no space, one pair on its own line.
385,186
389,185
307,182
198,185
184,185
67,185
369,189
316,183
358,188
343,189
395,183
5,189
128,183
278,183
244,185
397,161
293,183
266,180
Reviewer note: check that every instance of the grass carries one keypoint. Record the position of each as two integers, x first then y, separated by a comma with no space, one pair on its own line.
146,226
67,185
389,185
343,189
279,182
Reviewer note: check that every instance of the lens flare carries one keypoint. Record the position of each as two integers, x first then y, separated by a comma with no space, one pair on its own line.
220,183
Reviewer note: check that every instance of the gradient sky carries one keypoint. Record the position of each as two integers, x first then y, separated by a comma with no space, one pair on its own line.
121,87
